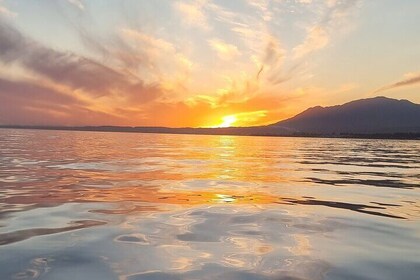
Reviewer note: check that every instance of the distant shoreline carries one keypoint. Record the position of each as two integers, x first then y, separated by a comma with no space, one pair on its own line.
265,131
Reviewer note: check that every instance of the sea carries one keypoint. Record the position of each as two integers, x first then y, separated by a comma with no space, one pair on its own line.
132,206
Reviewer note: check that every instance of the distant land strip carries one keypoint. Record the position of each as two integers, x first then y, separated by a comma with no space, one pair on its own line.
233,131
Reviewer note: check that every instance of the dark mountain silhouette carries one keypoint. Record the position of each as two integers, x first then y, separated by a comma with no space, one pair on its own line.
364,116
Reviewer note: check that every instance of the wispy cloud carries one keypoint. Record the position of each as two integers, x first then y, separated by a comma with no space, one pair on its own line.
224,50
6,12
264,8
78,4
410,79
28,102
317,38
192,12
147,48
71,75
72,70
318,35
272,58
304,1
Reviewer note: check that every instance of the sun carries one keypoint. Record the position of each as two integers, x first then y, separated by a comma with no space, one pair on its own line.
228,121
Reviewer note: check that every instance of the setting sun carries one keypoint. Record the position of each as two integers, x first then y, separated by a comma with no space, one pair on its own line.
228,121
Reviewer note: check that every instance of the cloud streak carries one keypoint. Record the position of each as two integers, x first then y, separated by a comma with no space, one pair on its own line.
26,102
76,72
193,13
413,79
63,87
78,4
224,50
318,35
6,12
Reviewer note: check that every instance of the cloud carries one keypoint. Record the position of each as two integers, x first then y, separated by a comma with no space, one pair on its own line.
24,90
224,50
192,13
316,38
78,4
6,12
304,1
148,41
409,80
263,7
156,59
26,102
272,58
74,71
258,40
142,53
318,35
57,87
273,51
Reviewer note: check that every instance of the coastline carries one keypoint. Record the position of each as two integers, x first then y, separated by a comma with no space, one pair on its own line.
264,131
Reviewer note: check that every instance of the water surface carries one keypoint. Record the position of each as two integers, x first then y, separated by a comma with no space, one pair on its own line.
91,205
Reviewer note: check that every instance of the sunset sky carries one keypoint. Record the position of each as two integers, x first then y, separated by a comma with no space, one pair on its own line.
201,63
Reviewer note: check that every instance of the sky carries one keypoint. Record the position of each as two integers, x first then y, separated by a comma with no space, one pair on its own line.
200,63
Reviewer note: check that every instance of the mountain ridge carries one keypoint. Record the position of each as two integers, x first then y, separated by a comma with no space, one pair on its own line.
371,115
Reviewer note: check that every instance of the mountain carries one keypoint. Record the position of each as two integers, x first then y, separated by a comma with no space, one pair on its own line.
379,115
